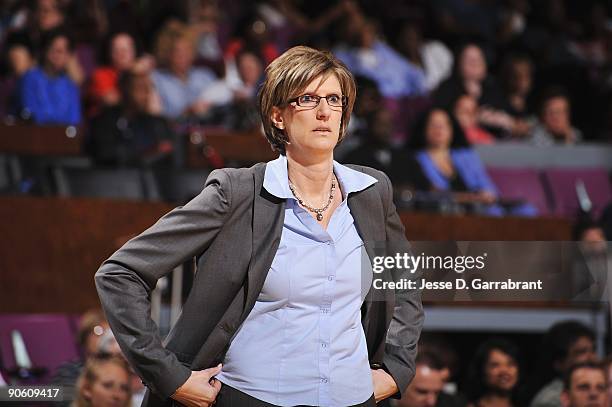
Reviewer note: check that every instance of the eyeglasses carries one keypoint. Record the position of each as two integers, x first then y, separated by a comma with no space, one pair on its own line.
311,101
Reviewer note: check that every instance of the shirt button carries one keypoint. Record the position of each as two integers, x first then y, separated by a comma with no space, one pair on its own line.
324,345
323,380
330,278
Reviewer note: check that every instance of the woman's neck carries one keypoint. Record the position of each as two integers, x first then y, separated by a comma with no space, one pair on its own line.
311,178
438,151
495,400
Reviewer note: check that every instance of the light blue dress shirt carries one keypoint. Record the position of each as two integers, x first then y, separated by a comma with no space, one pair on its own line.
395,76
303,343
177,95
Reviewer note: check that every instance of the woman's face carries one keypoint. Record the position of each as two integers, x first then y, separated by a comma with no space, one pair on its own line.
438,132
250,68
312,129
123,52
111,387
521,77
20,59
466,111
556,115
501,371
181,56
58,54
472,64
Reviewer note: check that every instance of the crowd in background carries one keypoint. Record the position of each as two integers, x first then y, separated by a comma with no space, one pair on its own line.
434,77
563,370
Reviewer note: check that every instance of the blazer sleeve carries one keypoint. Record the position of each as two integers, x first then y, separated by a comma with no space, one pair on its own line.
125,280
407,321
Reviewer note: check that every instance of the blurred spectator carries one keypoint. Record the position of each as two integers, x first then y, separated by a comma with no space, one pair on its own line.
122,55
368,102
513,16
449,165
44,17
591,49
88,20
365,54
232,98
109,346
377,152
48,15
312,23
466,18
205,25
494,375
466,113
608,366
549,34
590,268
105,381
13,16
564,344
517,80
554,125
243,75
585,385
253,33
127,134
46,94
588,231
432,56
19,59
471,77
92,327
178,83
427,387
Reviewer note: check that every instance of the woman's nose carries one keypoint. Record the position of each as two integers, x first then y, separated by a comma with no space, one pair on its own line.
323,109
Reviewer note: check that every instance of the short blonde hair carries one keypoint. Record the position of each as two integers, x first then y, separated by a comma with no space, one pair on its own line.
89,375
172,32
290,74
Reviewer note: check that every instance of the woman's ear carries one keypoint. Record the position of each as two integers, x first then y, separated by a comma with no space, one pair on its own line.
277,118
87,391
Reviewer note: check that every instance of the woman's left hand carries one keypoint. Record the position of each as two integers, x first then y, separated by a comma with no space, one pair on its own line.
384,385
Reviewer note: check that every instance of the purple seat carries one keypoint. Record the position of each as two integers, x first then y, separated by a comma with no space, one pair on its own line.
522,184
563,182
49,340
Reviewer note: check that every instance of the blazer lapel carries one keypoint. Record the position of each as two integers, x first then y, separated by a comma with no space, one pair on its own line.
268,220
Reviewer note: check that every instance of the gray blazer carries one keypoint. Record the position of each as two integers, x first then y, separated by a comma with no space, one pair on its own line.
233,228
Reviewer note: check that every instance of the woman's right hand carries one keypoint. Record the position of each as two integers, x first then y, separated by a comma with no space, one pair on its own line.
200,389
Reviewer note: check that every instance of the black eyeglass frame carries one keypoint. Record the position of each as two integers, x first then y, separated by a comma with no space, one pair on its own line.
343,100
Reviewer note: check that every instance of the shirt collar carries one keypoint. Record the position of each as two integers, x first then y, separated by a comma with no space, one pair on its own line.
276,179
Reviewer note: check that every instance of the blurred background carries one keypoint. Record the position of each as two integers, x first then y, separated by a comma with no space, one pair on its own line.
492,118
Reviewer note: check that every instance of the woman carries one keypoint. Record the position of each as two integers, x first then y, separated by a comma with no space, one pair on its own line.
450,165
494,375
105,381
471,77
122,57
46,94
278,300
